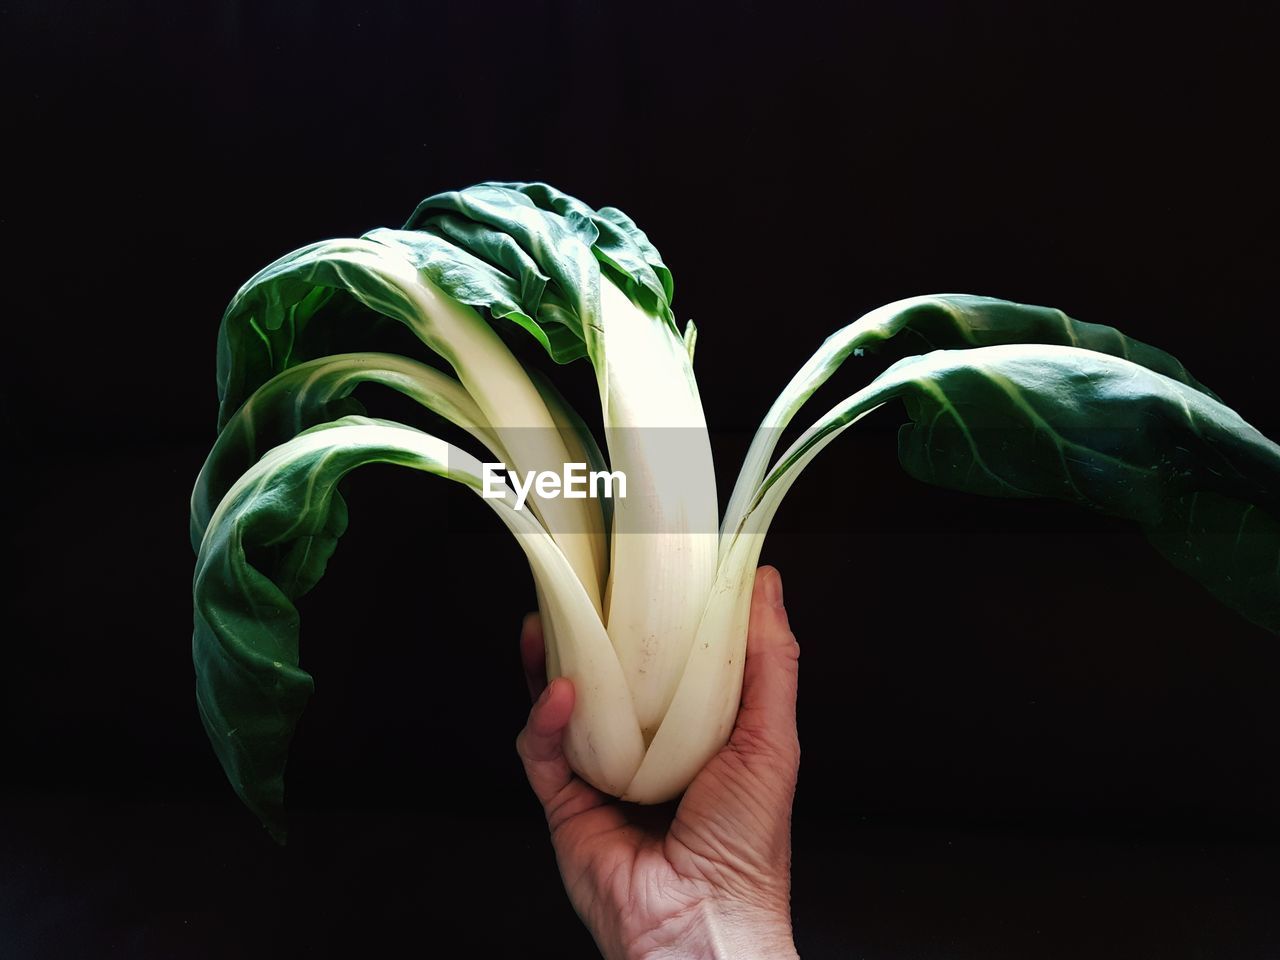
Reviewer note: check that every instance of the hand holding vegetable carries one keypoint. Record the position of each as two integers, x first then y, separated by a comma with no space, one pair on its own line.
713,880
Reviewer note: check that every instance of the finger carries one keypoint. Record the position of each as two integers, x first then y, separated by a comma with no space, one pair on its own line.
771,673
541,747
541,742
533,654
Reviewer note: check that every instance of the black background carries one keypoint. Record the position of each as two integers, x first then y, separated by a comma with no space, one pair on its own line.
1023,734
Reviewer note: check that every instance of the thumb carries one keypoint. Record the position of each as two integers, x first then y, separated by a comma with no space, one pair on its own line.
767,718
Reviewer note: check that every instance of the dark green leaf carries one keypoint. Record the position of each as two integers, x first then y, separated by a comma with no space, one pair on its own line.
949,321
312,393
535,229
266,545
1035,420
325,298
940,320
555,247
1081,426
1231,546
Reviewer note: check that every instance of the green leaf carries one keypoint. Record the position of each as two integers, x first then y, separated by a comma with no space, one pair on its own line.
1231,546
310,303
1078,425
522,252
316,392
532,229
555,247
330,298
1113,436
618,243
509,288
519,296
937,321
267,544
951,321
1033,420
646,249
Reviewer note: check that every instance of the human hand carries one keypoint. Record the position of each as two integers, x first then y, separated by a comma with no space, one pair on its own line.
711,876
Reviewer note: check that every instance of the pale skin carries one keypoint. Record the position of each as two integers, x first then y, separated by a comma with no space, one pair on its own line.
711,876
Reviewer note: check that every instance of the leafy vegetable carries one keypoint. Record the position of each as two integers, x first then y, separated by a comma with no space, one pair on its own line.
645,597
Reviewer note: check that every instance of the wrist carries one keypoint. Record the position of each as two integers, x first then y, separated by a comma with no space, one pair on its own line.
715,930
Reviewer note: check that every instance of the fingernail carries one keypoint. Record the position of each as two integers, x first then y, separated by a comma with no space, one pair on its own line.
546,692
773,588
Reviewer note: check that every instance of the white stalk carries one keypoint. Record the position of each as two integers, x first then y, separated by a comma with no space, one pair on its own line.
603,741
432,388
816,371
704,708
582,448
550,650
664,541
704,705
512,407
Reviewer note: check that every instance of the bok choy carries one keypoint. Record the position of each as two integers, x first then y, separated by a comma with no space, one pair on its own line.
645,596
